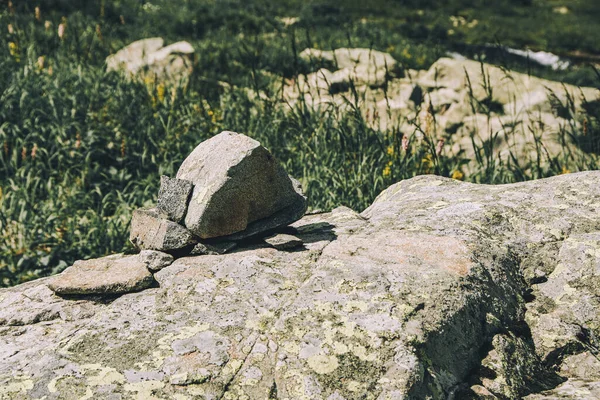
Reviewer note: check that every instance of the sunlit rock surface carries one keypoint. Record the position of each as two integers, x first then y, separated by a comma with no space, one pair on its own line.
151,61
473,107
440,288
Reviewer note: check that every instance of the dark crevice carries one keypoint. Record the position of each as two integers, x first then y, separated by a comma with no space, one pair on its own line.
273,391
503,282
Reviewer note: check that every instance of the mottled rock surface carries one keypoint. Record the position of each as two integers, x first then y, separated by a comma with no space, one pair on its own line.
239,189
469,100
360,66
116,274
155,260
151,231
282,241
173,198
440,289
148,60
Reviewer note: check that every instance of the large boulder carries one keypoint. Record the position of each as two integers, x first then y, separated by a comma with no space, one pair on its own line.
240,189
440,289
151,61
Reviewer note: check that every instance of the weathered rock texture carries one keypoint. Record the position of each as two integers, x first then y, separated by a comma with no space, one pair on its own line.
239,189
440,289
114,274
148,60
150,231
173,198
282,241
460,101
359,66
155,260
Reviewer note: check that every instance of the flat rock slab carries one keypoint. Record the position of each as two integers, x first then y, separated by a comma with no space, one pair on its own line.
116,274
429,293
283,241
150,231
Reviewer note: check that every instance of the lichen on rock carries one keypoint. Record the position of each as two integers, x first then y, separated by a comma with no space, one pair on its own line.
431,292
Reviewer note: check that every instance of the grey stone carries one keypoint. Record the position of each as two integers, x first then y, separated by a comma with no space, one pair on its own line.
238,186
405,301
361,66
282,241
155,260
116,274
150,231
173,198
213,249
281,218
148,60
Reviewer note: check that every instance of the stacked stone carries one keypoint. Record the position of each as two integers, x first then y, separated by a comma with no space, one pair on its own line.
229,189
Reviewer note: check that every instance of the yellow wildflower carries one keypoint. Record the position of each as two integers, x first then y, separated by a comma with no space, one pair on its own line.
149,81
457,174
565,170
160,92
390,151
427,163
13,48
387,171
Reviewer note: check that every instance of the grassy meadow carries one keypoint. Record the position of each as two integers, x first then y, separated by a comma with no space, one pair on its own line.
81,148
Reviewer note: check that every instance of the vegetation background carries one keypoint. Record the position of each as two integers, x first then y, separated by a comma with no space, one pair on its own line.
81,148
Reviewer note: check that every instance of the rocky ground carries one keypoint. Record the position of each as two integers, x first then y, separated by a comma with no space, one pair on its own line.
440,289
464,105
470,108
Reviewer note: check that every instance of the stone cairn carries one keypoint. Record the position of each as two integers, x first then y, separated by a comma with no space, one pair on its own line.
228,190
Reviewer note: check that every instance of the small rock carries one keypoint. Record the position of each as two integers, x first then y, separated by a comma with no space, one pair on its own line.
283,241
173,197
155,260
238,187
212,249
151,232
116,274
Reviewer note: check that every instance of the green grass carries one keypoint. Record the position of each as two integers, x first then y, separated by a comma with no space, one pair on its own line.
81,148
